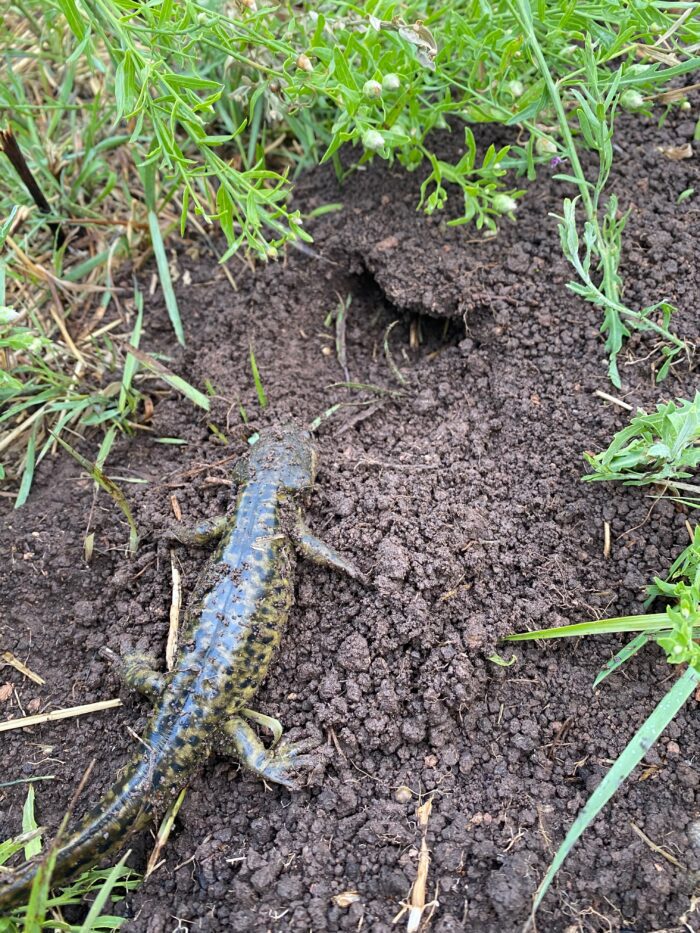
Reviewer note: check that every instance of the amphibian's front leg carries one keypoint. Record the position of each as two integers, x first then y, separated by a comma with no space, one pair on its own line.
277,764
136,671
316,550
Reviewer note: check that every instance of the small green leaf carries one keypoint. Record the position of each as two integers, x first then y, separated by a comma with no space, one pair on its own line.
166,281
259,388
29,825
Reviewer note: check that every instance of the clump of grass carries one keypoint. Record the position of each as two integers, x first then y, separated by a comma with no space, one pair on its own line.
44,909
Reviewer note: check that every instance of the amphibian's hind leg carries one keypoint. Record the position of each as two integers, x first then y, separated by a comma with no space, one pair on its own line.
312,547
206,532
137,672
277,764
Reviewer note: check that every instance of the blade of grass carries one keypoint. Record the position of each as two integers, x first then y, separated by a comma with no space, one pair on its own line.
624,654
259,387
636,749
110,488
39,894
105,890
166,282
29,825
29,464
643,623
177,382
10,846
130,363
105,447
164,831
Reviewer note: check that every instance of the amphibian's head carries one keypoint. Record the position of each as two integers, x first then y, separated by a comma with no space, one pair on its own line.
289,453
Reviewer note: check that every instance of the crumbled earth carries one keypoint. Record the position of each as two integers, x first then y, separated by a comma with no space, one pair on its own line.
457,489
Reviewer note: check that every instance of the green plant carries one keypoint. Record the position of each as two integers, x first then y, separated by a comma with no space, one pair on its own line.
43,910
662,447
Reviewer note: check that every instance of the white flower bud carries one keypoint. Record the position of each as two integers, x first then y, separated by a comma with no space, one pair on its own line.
631,99
545,146
504,204
391,82
372,139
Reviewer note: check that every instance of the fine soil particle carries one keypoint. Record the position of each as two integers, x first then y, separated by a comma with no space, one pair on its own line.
458,491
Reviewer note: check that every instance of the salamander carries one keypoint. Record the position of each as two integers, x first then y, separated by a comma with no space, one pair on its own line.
231,629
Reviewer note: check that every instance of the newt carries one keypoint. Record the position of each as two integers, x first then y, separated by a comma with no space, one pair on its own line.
231,629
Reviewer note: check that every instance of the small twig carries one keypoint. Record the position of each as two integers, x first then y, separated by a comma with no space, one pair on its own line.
10,146
57,714
390,357
664,853
340,327
606,539
416,905
9,658
175,604
611,398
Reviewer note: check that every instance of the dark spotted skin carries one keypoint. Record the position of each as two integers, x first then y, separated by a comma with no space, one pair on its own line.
230,633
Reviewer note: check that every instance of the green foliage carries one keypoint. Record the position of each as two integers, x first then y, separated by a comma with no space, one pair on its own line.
627,761
661,447
593,102
38,388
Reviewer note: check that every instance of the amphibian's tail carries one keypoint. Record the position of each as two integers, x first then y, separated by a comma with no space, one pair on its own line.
125,808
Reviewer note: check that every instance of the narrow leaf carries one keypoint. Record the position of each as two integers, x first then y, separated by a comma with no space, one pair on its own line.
165,280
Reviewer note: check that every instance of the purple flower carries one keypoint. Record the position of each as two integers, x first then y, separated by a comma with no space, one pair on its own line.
556,161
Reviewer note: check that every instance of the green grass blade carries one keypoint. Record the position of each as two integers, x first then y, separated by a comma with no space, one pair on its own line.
105,447
105,890
636,749
10,846
29,825
642,623
259,387
165,281
624,654
130,363
39,894
28,473
110,488
177,382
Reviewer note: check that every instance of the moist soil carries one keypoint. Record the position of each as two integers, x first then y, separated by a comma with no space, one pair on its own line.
458,491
